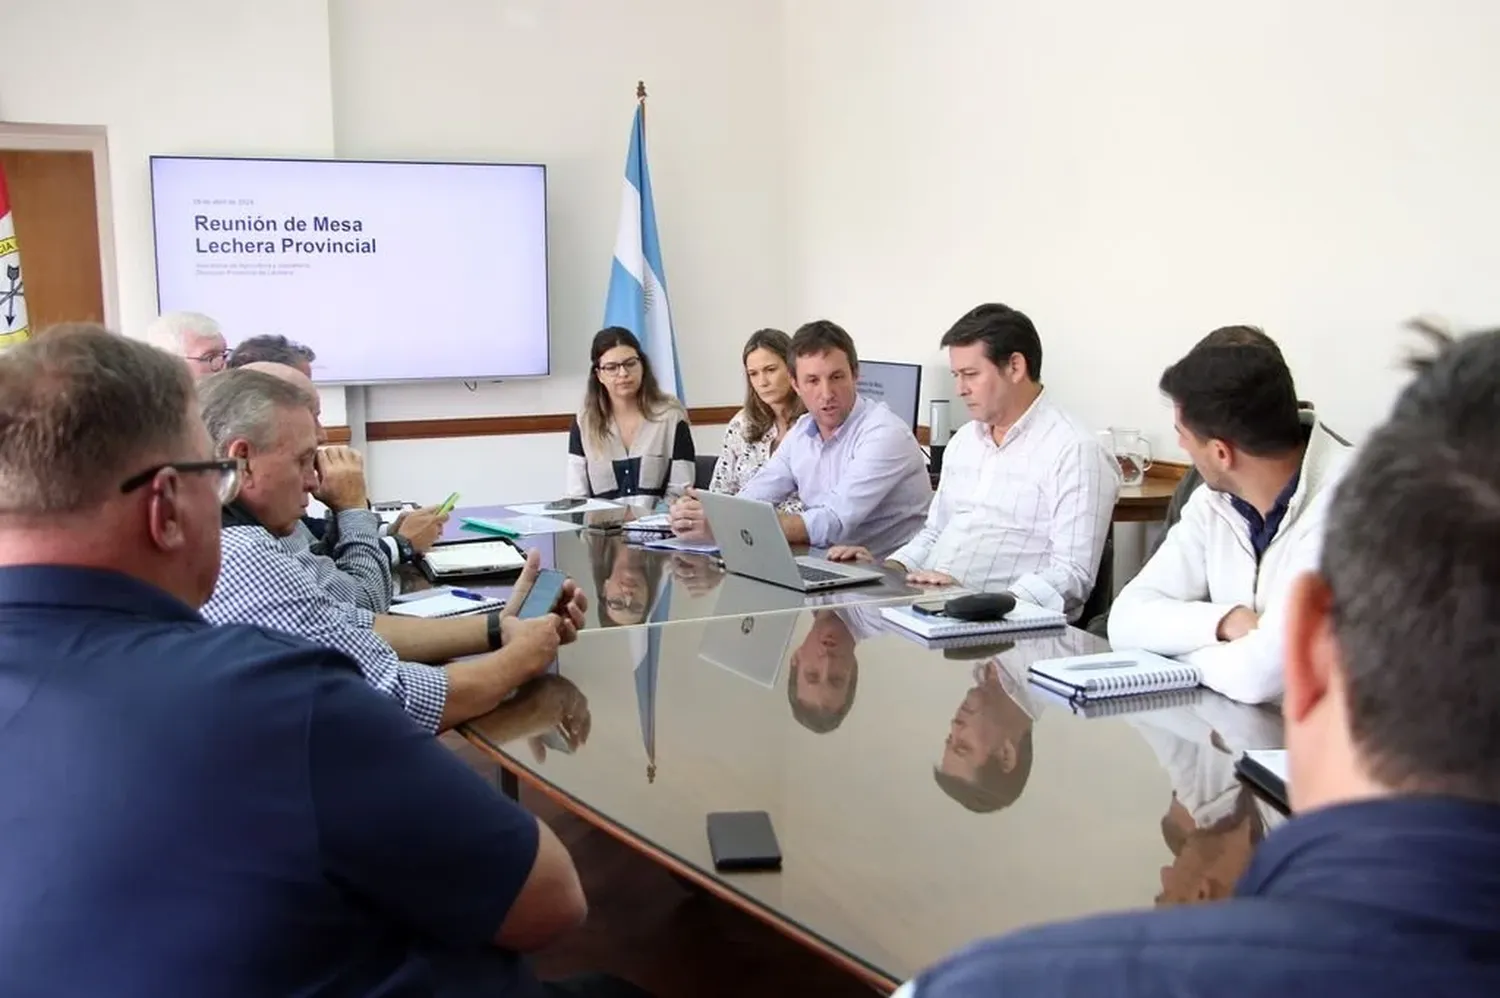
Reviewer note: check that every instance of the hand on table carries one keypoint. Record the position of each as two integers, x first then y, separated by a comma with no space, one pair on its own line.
924,578
851,552
1237,623
687,518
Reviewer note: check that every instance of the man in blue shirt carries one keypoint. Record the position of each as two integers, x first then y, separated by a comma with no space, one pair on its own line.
1388,881
192,810
854,463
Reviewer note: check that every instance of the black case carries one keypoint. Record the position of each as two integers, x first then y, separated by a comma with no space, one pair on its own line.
743,840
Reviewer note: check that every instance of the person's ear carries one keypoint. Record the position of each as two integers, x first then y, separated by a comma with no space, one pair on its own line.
1311,652
1008,756
164,512
240,449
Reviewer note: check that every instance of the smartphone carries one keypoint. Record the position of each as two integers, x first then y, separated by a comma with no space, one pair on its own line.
569,503
743,840
544,594
930,607
448,504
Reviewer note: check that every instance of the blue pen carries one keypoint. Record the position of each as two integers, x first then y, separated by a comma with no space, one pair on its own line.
466,594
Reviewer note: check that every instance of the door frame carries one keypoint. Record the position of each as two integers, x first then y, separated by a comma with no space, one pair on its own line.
93,140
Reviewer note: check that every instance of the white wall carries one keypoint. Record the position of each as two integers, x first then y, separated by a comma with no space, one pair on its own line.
553,81
170,76
1133,175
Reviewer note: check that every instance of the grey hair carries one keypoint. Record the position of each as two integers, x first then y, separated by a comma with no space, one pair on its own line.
82,410
244,405
272,349
168,331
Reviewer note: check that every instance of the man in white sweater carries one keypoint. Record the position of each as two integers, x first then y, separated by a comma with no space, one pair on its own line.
1212,594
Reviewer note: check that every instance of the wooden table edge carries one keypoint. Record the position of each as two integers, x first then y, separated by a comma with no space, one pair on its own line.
849,964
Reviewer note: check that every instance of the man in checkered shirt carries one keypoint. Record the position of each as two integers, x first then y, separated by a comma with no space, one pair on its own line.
268,423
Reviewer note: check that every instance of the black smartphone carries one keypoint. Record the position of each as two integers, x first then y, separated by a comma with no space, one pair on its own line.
569,503
930,607
743,840
544,594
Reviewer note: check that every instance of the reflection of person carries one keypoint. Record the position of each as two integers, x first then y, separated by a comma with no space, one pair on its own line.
1384,883
542,709
987,754
631,441
1214,821
823,671
626,580
772,405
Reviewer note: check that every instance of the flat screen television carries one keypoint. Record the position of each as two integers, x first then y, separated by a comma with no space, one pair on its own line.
389,271
897,385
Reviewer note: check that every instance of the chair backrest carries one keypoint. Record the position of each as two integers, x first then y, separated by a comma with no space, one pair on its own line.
703,474
1103,595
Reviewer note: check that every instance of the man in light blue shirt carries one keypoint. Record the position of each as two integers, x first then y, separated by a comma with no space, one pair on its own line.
856,465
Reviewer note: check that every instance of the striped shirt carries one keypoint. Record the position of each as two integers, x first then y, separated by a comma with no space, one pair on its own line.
1029,515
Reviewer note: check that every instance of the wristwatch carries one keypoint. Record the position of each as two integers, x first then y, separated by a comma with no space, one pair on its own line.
492,629
405,553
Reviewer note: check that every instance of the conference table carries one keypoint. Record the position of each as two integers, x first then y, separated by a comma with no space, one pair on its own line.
922,797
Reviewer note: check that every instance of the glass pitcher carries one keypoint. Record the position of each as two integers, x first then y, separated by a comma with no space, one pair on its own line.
1132,451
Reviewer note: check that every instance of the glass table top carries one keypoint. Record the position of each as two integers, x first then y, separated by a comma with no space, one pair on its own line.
922,798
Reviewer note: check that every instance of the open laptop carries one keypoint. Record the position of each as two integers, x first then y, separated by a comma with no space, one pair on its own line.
751,543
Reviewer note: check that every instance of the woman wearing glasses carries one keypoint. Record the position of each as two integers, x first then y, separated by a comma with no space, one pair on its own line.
631,442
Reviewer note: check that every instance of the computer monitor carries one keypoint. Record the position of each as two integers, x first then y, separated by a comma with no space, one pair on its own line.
897,385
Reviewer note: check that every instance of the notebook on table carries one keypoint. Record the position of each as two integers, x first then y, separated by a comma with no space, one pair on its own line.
1113,674
1131,706
1023,617
1265,771
447,604
475,558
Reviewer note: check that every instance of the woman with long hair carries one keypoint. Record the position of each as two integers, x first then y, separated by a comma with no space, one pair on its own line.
771,407
631,441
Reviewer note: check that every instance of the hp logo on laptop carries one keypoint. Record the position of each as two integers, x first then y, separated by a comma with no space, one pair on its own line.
745,536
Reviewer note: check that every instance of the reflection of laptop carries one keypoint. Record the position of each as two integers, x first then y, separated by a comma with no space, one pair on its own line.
752,646
751,543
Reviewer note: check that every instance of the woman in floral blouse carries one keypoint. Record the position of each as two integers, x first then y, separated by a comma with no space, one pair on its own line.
771,407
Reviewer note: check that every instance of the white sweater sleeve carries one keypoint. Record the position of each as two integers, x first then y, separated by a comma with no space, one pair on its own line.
1165,609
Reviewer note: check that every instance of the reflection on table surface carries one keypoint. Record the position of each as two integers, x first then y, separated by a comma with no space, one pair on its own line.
922,798
628,584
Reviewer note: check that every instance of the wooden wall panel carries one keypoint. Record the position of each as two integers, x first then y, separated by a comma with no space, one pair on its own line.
57,226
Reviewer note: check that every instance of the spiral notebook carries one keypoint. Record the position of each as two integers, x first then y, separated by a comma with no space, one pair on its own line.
1113,674
1131,706
1024,617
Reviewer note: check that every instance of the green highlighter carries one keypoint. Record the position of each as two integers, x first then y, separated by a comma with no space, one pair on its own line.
448,504
490,527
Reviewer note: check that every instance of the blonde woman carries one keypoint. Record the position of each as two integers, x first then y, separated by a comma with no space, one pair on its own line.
771,407
631,443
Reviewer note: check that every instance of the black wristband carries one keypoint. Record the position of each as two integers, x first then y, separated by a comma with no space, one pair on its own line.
492,629
405,553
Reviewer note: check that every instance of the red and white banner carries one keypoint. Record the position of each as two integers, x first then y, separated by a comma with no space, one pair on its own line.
13,328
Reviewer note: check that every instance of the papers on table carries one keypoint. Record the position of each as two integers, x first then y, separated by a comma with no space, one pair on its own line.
518,526
681,545
540,508
447,604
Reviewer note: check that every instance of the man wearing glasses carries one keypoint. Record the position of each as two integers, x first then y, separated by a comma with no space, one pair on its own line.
192,336
262,820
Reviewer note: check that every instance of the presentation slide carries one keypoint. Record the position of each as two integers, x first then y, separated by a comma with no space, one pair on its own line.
389,271
899,386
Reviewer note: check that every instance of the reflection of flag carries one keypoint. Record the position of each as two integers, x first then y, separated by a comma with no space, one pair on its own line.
13,328
646,642
637,284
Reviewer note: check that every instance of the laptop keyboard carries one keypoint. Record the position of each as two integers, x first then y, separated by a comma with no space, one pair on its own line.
817,574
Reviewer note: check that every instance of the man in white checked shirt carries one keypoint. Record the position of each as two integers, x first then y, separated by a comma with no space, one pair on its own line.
1027,492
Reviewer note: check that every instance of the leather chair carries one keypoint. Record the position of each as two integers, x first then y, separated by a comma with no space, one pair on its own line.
1103,595
704,474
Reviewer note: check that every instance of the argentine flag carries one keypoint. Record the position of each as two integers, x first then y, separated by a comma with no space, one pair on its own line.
637,284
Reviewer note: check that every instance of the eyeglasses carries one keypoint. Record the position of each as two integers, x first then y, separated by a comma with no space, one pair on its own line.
215,359
230,471
616,368
623,604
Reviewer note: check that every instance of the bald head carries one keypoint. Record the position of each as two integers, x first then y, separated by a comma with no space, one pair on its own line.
295,377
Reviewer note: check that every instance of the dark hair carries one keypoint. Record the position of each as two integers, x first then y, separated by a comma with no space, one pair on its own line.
1004,332
596,405
604,551
816,719
992,788
758,415
1243,397
1240,336
1410,557
271,350
81,410
813,339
